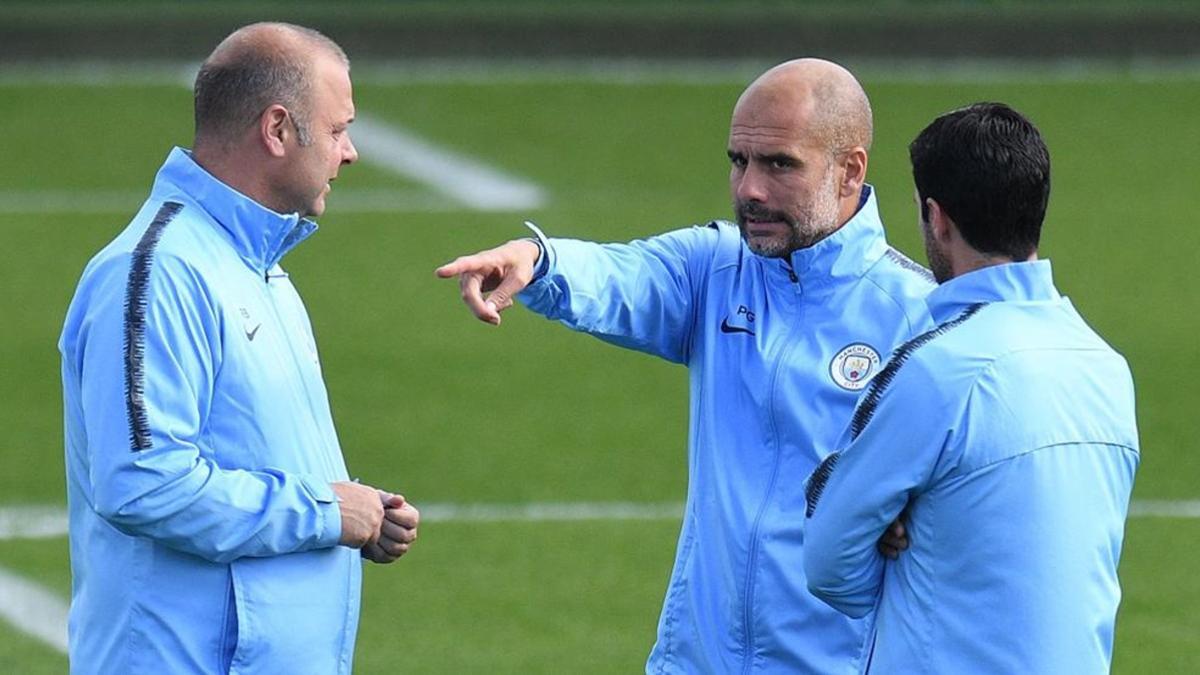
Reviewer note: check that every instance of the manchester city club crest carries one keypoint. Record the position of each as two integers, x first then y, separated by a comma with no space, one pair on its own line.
854,366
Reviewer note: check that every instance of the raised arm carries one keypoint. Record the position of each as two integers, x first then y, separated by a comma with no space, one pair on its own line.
642,295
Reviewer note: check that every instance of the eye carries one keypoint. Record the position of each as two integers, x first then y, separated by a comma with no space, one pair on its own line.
737,160
782,163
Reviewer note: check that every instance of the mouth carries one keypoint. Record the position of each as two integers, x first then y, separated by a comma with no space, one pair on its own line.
757,227
758,220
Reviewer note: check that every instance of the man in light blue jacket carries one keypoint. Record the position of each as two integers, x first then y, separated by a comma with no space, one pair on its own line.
781,320
1004,440
213,526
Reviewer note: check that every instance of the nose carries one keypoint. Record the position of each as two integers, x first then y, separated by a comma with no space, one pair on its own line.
749,184
349,153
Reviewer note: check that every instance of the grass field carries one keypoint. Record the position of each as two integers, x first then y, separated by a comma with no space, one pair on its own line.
447,410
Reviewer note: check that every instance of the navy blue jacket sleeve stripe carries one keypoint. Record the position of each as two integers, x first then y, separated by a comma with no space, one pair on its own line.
135,326
816,482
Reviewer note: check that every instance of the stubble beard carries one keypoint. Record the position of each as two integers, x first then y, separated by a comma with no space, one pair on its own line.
807,226
939,262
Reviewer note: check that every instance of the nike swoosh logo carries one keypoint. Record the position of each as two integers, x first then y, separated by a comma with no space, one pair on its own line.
726,328
251,333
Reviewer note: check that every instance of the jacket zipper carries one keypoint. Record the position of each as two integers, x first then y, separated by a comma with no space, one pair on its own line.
296,365
788,347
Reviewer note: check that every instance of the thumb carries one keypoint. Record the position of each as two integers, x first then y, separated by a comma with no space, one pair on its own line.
510,285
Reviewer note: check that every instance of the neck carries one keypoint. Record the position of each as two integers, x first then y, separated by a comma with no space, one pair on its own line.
972,260
231,169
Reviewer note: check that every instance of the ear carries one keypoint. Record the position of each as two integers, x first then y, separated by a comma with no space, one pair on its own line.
273,130
941,225
855,175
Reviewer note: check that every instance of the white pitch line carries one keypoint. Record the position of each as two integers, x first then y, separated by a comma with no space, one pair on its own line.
454,175
32,522
1165,508
45,522
636,71
550,512
33,610
341,200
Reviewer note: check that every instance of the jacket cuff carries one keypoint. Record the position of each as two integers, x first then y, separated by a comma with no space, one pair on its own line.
329,514
545,252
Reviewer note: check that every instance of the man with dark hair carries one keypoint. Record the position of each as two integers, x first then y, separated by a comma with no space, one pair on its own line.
1004,440
213,524
781,320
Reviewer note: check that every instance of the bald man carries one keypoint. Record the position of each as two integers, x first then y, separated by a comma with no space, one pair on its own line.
213,525
781,319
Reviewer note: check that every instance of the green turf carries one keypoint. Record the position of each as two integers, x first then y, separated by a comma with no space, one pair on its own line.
444,408
46,561
30,656
520,598
538,598
1158,627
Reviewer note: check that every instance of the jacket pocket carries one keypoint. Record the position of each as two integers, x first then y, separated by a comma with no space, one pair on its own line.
229,628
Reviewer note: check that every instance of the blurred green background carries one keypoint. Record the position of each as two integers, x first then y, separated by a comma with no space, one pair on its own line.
448,410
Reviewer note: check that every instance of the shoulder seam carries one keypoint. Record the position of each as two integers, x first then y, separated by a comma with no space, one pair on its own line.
907,263
733,261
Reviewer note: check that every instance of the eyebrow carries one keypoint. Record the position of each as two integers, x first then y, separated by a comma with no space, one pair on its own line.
780,157
772,157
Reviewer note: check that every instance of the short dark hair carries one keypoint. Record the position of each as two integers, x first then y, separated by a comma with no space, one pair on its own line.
989,169
234,86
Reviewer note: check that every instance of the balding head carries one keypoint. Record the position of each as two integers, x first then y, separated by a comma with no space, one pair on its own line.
821,98
255,67
798,145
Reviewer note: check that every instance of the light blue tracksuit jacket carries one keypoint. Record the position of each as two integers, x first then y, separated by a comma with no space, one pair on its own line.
777,352
1007,435
200,448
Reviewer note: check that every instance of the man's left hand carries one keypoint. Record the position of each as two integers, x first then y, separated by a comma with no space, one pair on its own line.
398,531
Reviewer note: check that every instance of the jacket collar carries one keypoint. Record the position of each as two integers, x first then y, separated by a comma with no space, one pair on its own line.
260,236
847,253
1010,282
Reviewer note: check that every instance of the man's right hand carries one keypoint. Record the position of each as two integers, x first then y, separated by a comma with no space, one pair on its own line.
362,514
503,271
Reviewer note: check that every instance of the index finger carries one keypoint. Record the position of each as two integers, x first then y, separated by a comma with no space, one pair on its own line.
406,516
463,263
391,501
